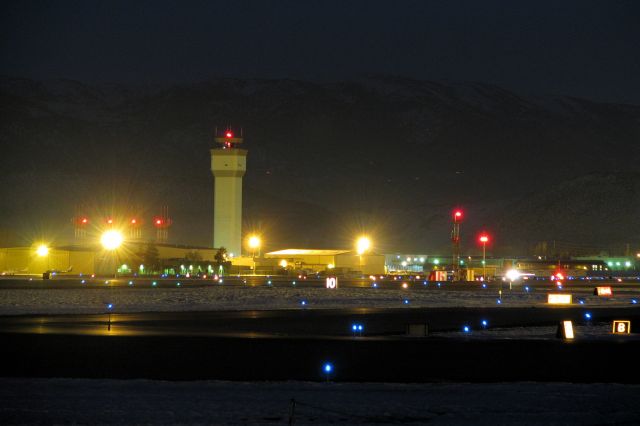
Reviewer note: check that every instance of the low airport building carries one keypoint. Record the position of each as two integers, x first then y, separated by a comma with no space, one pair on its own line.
329,261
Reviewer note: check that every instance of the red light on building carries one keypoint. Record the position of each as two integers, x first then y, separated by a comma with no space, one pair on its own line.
158,222
133,221
80,221
457,215
229,134
484,239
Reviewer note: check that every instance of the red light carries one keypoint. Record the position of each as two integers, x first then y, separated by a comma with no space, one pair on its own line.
559,276
133,221
484,239
229,135
457,215
158,222
84,220
110,221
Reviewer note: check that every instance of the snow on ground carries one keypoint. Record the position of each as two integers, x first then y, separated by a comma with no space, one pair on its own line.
92,401
137,299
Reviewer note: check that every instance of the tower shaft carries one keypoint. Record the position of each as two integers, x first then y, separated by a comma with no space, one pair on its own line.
228,166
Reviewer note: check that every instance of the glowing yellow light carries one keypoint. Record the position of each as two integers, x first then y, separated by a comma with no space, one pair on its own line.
254,242
111,239
363,244
284,263
331,266
42,250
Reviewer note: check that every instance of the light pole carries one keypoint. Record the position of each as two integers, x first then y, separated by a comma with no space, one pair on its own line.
484,239
254,244
43,251
111,240
362,245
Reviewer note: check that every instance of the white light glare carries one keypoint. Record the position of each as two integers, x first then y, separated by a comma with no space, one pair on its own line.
513,274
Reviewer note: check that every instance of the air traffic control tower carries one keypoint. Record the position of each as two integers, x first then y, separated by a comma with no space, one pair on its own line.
228,165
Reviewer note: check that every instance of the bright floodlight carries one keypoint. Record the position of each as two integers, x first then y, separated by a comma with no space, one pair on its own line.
363,244
254,242
42,250
513,274
111,240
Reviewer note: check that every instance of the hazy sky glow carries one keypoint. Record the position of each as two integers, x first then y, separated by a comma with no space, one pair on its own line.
580,48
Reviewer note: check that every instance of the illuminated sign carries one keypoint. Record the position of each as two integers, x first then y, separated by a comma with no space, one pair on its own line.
441,275
603,291
332,282
566,330
621,327
559,299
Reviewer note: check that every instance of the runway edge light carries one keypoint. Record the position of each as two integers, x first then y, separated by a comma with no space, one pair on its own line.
565,330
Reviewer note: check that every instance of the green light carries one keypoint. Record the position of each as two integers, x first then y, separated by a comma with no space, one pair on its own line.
436,261
483,262
617,263
610,263
627,263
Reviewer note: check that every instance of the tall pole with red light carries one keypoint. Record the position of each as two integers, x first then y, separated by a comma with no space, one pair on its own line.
80,223
455,240
135,228
162,224
484,239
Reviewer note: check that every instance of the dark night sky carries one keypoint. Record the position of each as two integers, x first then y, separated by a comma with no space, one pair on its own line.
582,48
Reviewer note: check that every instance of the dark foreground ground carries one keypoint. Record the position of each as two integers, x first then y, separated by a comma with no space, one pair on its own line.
364,359
124,402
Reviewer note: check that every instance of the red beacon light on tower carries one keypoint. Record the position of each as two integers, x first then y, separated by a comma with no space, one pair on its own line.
457,216
228,139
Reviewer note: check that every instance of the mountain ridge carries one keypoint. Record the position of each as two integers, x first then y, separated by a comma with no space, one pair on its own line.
381,149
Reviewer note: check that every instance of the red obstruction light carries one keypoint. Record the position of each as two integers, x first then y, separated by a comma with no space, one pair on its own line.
484,238
84,220
457,215
229,134
133,221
